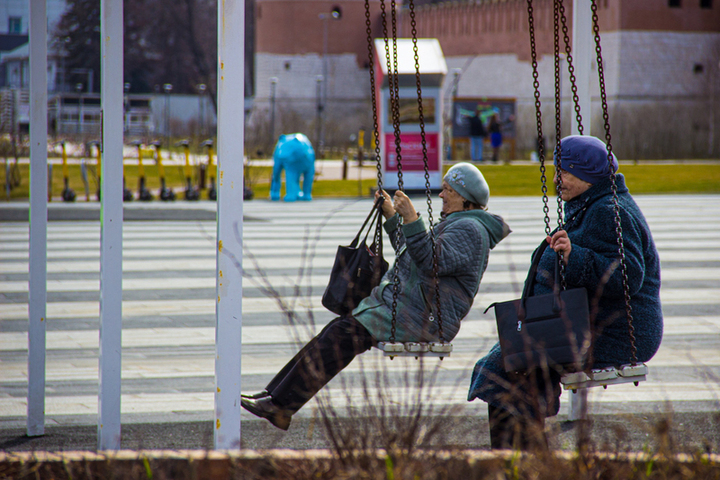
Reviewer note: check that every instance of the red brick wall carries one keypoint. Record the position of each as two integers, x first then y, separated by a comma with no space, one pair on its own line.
656,15
494,28
502,27
464,28
293,27
485,29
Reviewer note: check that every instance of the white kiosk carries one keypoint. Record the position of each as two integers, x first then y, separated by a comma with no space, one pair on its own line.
432,72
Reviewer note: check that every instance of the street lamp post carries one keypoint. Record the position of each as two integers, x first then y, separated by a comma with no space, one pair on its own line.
273,85
126,115
335,14
561,58
318,116
449,125
78,89
167,88
322,94
713,74
201,99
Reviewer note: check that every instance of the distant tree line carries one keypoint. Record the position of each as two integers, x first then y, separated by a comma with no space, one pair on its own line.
165,41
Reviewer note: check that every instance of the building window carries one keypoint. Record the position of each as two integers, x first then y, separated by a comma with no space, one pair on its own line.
15,25
705,3
698,68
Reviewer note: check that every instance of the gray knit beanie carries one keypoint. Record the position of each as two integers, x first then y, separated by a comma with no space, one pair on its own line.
468,181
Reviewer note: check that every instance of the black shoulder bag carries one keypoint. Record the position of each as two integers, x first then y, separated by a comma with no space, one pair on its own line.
357,268
551,329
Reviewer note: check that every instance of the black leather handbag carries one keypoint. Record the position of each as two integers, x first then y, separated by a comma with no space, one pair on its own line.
357,268
551,329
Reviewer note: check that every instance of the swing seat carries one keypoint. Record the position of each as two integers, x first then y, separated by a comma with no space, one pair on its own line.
415,349
605,376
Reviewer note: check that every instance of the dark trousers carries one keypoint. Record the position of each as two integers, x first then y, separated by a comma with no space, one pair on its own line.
318,362
508,431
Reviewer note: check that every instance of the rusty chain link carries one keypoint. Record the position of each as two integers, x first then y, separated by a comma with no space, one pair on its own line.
428,193
571,69
393,87
396,87
613,176
558,129
376,127
538,115
371,62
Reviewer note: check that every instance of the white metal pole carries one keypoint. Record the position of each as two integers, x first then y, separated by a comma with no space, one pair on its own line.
230,127
111,218
37,274
582,51
582,45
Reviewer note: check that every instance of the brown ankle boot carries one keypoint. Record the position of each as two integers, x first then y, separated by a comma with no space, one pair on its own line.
265,408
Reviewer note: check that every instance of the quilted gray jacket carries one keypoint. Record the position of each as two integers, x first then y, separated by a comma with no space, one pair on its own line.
463,243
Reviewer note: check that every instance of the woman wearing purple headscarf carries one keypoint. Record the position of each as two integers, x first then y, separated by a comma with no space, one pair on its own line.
519,404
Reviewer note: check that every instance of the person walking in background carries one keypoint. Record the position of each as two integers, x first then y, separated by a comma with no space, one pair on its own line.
477,136
495,127
496,139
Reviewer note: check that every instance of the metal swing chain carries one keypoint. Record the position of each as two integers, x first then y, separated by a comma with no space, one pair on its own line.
421,116
428,193
396,87
393,87
376,128
571,68
391,84
616,205
538,115
558,127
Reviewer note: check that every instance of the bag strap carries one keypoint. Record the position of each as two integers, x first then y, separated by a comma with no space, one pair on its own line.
377,245
377,206
532,273
558,285
530,280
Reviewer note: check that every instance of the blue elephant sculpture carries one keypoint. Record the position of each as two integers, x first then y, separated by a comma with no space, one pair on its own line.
295,154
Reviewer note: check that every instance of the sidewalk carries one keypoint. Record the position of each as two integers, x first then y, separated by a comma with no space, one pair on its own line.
172,297
685,432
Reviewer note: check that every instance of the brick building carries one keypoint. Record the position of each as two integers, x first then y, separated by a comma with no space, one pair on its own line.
661,58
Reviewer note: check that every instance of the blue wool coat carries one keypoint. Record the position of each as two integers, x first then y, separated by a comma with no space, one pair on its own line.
463,243
590,223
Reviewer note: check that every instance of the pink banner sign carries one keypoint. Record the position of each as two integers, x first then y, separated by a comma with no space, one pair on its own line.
411,152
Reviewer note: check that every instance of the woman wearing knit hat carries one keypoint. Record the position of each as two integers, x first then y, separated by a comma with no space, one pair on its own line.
463,237
519,404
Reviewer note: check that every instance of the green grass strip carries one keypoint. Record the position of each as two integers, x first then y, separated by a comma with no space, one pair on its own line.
504,180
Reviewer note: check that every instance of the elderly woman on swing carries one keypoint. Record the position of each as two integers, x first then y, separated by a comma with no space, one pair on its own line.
464,238
519,403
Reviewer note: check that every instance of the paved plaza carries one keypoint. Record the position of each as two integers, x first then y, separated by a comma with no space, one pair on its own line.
169,318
